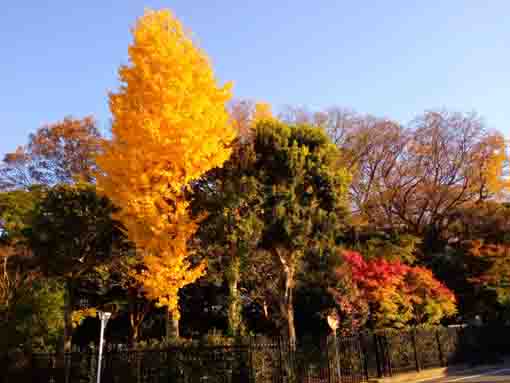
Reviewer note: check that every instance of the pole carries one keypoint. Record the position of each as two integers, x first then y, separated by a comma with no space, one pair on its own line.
104,316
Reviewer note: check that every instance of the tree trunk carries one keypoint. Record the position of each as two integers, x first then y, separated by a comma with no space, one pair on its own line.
172,326
68,329
287,302
68,316
137,314
135,330
234,308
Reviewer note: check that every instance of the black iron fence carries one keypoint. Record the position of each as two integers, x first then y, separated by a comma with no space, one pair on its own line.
260,360
390,352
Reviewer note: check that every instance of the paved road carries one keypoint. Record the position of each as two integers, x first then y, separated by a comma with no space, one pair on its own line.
497,375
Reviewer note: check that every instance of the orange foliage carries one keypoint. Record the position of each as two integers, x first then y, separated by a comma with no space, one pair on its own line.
62,152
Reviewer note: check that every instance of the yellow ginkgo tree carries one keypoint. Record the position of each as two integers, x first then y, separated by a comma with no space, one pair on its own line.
170,126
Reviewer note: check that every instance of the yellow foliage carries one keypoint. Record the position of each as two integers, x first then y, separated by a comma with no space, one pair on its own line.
78,315
495,163
170,126
262,112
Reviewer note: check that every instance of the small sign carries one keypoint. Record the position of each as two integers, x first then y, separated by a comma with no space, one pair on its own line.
333,321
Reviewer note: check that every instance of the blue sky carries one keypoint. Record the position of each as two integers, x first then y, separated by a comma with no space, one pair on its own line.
389,58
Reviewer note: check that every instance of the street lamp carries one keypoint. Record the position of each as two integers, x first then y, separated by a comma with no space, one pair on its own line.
103,316
333,322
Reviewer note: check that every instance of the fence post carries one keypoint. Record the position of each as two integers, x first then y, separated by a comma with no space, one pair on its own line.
387,354
328,364
415,348
170,371
364,354
138,358
251,368
338,360
442,362
377,356
93,366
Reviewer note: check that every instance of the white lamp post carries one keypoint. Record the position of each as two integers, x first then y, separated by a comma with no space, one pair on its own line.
333,322
103,316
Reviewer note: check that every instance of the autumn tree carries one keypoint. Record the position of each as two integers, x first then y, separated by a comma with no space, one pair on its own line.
416,175
170,126
62,152
241,117
488,268
476,265
392,293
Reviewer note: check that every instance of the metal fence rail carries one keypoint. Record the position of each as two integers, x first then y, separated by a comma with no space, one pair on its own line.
351,359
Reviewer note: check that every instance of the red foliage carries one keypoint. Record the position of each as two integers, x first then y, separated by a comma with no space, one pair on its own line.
397,294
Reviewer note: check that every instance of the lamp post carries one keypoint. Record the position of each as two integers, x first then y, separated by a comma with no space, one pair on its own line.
333,322
103,316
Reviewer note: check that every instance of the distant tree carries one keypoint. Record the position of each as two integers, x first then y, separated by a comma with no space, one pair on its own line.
417,175
62,152
476,265
241,118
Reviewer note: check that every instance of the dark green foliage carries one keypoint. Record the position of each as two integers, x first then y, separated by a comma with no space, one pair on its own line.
279,197
72,231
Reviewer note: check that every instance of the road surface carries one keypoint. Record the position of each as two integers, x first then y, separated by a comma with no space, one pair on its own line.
495,375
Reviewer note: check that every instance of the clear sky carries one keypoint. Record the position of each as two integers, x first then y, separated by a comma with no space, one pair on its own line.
389,58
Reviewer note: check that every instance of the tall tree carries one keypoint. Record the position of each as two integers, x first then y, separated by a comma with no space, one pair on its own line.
62,152
170,126
275,200
304,200
228,236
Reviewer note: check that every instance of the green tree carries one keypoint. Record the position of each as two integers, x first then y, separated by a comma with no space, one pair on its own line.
282,197
71,232
304,205
230,198
39,319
